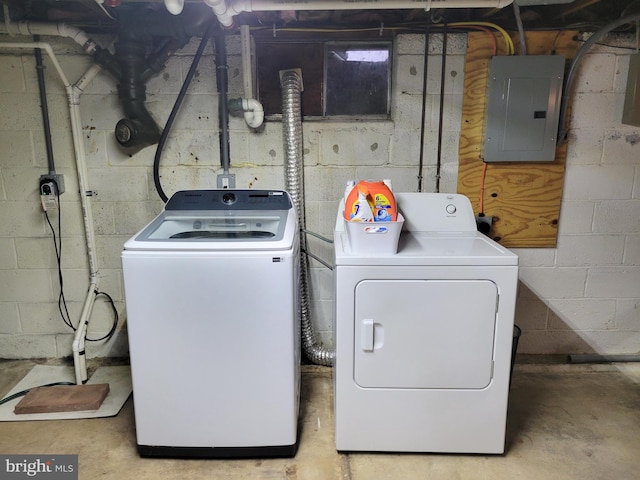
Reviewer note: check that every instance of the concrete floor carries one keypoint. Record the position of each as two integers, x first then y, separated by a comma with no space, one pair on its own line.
564,422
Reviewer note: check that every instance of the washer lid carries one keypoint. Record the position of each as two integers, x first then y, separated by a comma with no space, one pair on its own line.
221,220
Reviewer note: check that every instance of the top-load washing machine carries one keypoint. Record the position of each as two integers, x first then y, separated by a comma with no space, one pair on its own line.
211,294
424,335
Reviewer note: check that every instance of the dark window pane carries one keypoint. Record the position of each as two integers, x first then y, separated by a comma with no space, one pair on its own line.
274,57
357,79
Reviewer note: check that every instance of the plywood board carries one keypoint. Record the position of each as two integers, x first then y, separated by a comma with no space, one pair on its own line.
63,398
523,199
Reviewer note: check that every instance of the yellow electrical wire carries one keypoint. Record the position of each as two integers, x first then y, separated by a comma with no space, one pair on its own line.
507,38
502,31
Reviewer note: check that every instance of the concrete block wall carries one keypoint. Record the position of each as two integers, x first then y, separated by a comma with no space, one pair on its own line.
584,295
581,296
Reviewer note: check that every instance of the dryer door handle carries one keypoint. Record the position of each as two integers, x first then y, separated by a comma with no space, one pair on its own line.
367,335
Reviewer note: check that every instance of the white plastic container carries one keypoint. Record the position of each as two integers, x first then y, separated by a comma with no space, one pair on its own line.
377,238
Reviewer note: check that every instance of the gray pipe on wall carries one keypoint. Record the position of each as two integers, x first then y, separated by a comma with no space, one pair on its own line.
291,85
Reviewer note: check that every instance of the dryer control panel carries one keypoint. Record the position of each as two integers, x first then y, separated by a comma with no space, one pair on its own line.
436,212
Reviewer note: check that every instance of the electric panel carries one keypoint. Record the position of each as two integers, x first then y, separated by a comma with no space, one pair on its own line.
631,112
523,108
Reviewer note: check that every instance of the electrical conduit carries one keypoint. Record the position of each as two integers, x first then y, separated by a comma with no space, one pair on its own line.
294,184
222,82
73,95
563,129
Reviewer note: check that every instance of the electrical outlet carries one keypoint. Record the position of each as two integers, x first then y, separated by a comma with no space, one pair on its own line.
56,178
49,196
483,223
226,180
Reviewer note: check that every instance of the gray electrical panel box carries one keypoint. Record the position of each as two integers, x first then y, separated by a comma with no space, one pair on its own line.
631,112
523,108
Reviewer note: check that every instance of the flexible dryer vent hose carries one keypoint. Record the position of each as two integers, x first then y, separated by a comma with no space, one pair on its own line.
294,183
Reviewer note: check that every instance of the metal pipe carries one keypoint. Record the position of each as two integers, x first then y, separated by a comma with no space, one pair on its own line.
523,41
44,107
291,84
222,82
425,68
573,68
443,77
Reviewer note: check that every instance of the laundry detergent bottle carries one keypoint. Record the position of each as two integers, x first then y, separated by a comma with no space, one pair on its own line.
359,205
380,199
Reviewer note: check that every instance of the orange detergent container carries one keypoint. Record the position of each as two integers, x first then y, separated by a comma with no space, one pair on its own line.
379,200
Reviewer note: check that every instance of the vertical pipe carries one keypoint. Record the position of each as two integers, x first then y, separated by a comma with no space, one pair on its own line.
42,89
222,82
523,41
441,116
425,68
247,63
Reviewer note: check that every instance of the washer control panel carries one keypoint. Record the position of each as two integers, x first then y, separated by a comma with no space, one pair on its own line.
229,200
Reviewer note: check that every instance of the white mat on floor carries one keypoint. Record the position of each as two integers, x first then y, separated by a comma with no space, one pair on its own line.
118,378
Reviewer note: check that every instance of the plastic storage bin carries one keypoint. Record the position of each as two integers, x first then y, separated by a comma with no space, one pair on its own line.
374,238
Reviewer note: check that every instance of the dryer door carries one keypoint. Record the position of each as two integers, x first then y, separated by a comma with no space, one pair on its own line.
427,334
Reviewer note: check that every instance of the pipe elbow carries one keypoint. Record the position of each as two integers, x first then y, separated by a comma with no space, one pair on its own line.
253,112
225,10
74,33
174,6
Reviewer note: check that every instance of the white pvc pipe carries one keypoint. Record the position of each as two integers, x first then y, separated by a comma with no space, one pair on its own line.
247,64
221,10
73,97
78,346
270,5
253,112
43,46
79,340
225,10
81,166
52,29
174,6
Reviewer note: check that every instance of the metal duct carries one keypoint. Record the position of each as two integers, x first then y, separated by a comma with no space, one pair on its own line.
291,84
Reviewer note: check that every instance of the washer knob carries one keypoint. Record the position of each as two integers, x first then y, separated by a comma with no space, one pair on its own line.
451,209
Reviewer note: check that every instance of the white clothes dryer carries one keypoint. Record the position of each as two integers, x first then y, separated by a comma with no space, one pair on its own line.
424,336
211,294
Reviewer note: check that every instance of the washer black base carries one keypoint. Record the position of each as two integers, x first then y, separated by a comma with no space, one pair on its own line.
277,451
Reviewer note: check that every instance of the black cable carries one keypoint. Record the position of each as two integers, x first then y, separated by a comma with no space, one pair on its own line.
175,109
62,302
24,392
115,319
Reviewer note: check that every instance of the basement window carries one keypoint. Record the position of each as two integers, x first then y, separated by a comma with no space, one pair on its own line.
340,79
